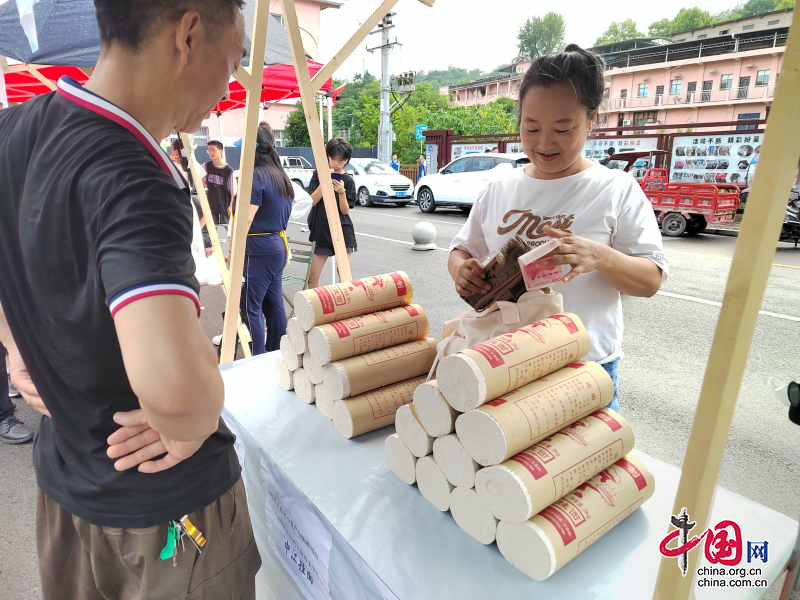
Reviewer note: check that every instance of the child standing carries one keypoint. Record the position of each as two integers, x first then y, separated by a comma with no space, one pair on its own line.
339,153
609,235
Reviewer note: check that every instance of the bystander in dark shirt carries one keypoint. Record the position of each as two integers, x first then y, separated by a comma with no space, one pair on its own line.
219,180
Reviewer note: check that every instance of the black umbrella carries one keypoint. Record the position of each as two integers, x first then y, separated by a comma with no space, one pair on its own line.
68,35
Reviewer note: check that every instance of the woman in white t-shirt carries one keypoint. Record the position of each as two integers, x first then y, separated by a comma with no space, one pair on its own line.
609,235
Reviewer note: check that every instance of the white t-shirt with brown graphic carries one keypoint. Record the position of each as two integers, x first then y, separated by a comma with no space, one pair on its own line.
603,205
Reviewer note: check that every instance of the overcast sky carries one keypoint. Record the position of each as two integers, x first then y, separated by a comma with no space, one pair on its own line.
478,33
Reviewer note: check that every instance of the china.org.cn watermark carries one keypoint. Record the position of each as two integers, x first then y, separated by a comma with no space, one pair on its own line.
724,551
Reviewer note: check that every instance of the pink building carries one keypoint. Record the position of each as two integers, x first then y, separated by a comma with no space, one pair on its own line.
490,89
229,127
726,72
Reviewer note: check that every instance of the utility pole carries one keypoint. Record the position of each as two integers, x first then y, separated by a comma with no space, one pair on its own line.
385,128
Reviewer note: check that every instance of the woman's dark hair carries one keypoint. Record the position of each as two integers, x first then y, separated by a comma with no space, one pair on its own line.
339,147
582,69
268,164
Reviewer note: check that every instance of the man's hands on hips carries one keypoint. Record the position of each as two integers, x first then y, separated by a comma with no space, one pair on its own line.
136,443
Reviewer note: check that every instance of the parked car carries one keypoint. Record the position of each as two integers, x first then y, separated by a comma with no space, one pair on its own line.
461,181
298,169
377,182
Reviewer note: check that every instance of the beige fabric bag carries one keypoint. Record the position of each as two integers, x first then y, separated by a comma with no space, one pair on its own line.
471,327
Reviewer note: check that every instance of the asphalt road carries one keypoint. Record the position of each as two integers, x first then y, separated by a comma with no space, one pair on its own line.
667,341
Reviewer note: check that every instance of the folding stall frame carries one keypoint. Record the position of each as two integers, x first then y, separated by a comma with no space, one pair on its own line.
250,79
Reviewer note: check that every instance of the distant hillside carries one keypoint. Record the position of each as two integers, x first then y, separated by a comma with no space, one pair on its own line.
453,76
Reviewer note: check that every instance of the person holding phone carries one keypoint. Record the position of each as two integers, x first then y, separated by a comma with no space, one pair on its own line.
339,152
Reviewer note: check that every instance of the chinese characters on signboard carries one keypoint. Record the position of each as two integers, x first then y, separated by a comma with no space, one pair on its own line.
721,158
597,149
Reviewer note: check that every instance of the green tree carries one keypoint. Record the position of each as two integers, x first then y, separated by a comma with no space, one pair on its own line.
540,36
619,32
757,7
784,4
660,28
688,19
296,131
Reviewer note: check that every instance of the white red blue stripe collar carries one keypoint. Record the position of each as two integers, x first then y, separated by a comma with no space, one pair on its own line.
152,289
72,90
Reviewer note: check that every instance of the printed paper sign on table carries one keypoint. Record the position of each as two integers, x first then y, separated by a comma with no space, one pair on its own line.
297,537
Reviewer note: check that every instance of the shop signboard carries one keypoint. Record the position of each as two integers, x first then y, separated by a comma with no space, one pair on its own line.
597,149
459,150
714,158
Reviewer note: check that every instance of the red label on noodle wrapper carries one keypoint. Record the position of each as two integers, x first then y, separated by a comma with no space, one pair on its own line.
569,323
562,525
608,420
534,467
632,470
411,311
325,299
399,283
494,358
341,329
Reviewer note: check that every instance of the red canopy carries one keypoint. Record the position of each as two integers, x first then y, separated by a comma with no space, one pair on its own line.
23,86
279,82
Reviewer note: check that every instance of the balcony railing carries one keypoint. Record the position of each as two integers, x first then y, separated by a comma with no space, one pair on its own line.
760,92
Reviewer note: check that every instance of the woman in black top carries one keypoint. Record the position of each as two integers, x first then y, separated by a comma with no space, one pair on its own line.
339,152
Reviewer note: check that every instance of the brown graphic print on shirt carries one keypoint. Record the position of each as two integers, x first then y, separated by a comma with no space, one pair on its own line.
532,226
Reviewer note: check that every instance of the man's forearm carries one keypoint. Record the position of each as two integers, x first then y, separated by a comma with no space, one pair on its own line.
171,366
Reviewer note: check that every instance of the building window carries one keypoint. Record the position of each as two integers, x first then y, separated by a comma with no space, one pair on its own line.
644,118
724,31
746,117
762,78
748,27
279,17
643,88
775,22
680,40
702,37
726,82
675,86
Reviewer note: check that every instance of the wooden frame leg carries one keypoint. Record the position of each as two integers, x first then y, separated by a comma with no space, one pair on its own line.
244,334
238,237
755,251
315,133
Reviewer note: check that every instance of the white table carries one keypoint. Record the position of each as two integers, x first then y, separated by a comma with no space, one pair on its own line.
387,541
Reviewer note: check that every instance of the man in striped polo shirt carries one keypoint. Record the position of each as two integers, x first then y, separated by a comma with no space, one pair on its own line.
99,312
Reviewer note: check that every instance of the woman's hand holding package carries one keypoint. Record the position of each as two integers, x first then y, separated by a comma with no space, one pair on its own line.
630,275
584,256
467,273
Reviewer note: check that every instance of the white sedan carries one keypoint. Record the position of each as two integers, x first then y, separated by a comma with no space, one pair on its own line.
461,181
377,182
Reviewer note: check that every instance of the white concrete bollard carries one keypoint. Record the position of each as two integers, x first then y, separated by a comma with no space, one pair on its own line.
424,234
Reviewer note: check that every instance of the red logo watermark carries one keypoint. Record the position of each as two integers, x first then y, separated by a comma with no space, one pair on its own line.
723,543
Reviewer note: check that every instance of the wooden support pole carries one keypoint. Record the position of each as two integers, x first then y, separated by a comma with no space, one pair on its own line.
315,133
238,237
32,69
755,251
197,176
243,77
344,53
